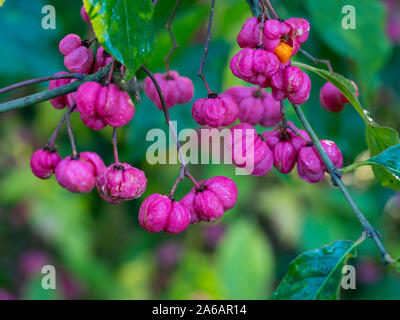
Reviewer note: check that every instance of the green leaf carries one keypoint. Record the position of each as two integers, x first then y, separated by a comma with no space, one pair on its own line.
352,43
2,2
124,28
245,263
316,274
389,163
378,138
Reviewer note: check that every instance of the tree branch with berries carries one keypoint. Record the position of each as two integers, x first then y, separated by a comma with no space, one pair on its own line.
98,85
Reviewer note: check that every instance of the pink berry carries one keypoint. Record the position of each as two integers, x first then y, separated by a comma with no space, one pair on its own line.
188,201
272,111
285,157
254,66
69,43
301,96
285,145
44,163
121,182
256,106
248,149
225,189
77,175
215,111
300,29
309,165
84,15
251,107
296,84
59,102
114,106
175,88
249,35
102,59
217,195
208,206
86,102
159,213
95,160
264,166
79,60
99,106
274,32
332,99
333,152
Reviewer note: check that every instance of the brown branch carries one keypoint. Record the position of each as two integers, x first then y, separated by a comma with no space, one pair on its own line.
184,166
168,26
205,53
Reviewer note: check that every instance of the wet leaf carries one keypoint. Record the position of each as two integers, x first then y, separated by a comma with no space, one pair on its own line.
124,28
316,274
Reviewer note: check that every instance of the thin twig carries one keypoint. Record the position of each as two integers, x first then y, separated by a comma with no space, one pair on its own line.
110,75
264,9
283,112
203,60
115,145
54,135
171,128
316,60
18,85
168,26
271,8
336,176
260,40
72,139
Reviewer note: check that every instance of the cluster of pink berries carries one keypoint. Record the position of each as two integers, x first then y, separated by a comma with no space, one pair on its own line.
283,148
98,105
207,201
81,173
101,105
266,63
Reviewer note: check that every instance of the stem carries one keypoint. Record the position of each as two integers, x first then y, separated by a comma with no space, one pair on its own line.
53,93
283,113
271,8
115,146
316,60
53,137
168,26
184,165
96,46
203,60
336,177
110,75
18,85
72,139
260,40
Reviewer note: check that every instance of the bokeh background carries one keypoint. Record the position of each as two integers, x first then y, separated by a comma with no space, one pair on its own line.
100,251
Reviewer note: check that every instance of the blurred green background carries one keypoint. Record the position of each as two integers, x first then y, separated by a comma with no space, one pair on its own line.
100,251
